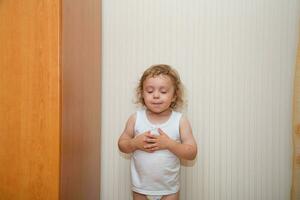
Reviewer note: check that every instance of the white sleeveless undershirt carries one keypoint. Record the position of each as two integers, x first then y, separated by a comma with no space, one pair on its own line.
156,173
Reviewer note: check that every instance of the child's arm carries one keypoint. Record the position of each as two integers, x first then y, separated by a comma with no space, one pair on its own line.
128,143
187,149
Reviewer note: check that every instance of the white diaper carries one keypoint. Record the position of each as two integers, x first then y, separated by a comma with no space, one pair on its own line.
154,197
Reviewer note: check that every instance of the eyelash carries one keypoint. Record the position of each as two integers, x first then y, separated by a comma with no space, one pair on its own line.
152,91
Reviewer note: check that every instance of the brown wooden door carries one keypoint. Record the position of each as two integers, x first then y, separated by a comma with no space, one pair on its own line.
49,99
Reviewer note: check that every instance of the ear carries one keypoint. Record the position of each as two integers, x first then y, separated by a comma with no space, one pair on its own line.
174,97
142,94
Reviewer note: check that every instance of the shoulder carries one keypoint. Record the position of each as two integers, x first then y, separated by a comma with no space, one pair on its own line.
129,127
186,132
184,122
132,118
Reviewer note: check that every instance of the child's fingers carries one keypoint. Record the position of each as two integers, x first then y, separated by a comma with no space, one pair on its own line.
153,149
150,146
151,140
147,133
152,136
161,131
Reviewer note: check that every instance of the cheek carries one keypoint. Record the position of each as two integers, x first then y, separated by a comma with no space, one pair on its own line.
146,96
170,97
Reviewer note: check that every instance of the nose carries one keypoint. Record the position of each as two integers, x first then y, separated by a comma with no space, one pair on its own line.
156,94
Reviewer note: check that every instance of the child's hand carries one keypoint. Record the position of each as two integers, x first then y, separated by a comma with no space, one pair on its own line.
141,141
158,142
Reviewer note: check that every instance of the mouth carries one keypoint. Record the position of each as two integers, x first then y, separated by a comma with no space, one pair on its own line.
156,104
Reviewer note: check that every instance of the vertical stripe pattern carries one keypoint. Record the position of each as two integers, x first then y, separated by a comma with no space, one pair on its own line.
236,59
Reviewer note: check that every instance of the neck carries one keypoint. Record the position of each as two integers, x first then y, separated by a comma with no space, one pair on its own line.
166,112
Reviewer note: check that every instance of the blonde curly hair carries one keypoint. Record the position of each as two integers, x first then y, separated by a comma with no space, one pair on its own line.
162,69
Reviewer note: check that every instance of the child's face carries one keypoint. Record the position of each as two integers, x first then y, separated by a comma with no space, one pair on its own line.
158,93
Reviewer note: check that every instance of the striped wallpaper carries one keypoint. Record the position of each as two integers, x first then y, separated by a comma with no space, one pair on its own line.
236,59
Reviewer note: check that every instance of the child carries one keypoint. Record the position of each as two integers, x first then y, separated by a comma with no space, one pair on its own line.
158,136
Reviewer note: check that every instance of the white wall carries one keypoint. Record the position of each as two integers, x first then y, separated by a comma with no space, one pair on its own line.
237,59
